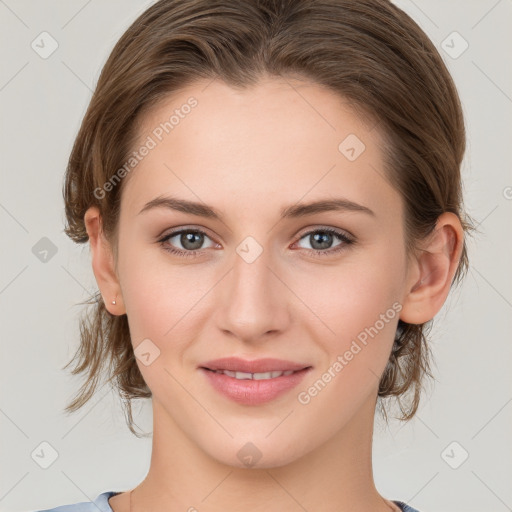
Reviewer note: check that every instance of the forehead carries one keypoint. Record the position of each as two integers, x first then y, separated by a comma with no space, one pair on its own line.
282,138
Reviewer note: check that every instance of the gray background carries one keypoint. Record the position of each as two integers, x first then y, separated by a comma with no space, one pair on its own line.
43,101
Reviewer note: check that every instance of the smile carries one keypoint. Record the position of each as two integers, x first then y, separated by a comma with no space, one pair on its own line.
254,376
253,389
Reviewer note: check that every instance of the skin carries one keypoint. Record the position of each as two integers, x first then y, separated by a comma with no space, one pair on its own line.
249,154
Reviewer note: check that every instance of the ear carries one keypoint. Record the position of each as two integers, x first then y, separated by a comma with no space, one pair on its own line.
103,263
432,270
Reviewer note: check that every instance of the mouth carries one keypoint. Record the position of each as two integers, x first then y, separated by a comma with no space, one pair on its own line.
258,367
253,382
257,375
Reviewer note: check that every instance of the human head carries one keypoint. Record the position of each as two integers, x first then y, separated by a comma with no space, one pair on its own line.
369,53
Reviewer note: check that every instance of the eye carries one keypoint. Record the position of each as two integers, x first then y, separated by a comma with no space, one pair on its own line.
190,239
321,240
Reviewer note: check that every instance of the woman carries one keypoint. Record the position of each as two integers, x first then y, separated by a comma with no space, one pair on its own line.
271,191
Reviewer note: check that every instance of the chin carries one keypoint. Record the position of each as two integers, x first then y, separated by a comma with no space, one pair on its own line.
255,451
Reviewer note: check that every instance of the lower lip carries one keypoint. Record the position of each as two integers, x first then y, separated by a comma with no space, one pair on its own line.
253,392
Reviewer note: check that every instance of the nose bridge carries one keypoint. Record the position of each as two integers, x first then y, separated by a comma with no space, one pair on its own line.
251,261
253,299
251,276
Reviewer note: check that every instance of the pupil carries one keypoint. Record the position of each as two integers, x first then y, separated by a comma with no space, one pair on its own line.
187,240
317,237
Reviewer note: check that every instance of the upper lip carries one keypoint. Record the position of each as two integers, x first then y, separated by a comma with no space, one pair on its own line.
236,364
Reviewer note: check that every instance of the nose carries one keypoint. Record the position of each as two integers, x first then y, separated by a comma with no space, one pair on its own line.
253,301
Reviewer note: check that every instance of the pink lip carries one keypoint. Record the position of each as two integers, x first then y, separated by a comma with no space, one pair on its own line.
236,364
249,391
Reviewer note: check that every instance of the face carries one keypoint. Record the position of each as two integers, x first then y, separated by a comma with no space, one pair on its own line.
320,288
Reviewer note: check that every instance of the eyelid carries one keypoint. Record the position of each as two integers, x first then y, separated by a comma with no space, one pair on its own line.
300,235
339,231
186,227
346,240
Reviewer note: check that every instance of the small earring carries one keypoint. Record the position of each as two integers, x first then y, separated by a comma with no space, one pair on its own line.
113,302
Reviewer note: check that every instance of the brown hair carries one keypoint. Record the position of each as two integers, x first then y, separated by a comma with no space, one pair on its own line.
368,51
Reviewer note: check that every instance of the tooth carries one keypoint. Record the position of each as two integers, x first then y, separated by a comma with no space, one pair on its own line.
243,375
261,376
255,376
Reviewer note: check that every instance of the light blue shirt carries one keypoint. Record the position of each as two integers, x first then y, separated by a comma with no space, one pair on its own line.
100,504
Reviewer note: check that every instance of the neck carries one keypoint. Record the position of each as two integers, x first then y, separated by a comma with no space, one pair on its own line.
334,477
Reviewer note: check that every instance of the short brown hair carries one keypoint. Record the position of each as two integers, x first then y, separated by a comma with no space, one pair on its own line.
369,52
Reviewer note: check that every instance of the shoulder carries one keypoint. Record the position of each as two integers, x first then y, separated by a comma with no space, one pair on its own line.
99,504
404,507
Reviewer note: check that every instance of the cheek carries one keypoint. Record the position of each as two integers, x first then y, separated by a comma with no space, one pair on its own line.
361,313
151,294
162,300
352,294
343,300
356,307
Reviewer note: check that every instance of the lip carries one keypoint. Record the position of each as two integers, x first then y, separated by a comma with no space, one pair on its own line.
249,391
237,364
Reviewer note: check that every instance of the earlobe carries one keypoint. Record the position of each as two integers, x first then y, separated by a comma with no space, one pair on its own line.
433,271
103,263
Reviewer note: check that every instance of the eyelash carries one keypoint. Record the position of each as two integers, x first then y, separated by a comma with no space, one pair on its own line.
347,241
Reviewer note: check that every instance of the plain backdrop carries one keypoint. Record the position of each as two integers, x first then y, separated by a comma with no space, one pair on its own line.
454,456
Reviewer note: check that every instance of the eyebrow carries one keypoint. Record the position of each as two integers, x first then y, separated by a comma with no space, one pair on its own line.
291,212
